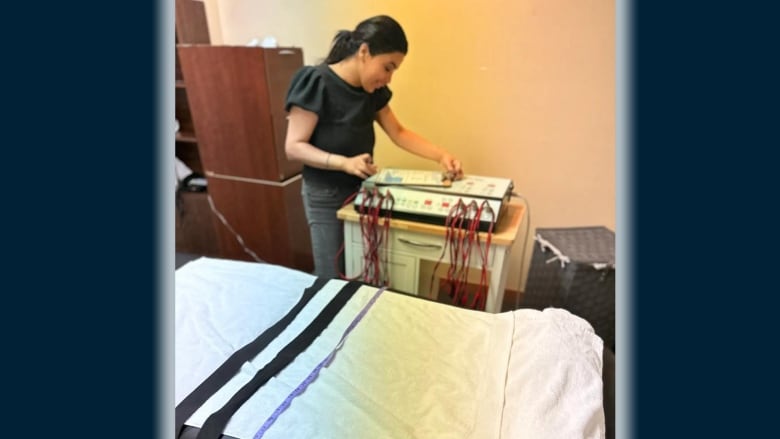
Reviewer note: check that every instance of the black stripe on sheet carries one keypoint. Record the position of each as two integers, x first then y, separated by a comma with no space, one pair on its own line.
231,366
215,423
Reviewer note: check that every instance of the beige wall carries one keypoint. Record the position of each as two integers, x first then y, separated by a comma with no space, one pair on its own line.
520,89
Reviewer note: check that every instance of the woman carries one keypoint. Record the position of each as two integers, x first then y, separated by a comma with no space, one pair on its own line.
332,108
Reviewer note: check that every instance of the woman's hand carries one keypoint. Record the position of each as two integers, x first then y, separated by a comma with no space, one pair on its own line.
451,167
360,165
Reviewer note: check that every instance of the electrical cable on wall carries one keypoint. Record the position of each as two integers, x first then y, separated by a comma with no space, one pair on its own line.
525,243
237,236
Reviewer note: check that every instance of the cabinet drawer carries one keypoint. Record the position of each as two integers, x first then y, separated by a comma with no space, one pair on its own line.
402,269
431,247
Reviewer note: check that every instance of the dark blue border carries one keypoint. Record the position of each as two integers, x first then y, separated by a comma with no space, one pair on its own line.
79,154
704,130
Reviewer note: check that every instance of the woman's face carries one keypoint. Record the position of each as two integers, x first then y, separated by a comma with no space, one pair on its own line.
376,71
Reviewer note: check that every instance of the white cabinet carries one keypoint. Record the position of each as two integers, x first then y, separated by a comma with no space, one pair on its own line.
402,269
411,245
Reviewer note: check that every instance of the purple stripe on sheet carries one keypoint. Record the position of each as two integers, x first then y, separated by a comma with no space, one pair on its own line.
314,373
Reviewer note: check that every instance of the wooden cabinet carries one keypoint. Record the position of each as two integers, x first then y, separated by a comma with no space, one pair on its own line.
195,232
236,97
269,218
195,223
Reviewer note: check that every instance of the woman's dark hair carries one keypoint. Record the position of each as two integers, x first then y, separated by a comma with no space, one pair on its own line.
382,34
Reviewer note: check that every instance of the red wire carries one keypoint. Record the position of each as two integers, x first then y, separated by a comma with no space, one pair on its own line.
365,231
481,294
472,232
367,218
369,210
376,239
369,236
388,215
456,238
341,249
461,231
466,236
447,233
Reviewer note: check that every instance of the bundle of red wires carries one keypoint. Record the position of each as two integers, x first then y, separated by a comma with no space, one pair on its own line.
462,226
462,233
373,206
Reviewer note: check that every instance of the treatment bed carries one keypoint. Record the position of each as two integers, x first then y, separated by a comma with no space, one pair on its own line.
388,365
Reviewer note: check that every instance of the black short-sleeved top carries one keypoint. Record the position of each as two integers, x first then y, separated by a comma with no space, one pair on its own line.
345,113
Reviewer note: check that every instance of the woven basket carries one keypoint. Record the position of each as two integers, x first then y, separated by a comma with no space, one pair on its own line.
574,269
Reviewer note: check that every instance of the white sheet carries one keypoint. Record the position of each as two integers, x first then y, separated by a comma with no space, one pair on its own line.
411,368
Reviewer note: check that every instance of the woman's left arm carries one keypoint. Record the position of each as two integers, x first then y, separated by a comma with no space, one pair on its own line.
416,144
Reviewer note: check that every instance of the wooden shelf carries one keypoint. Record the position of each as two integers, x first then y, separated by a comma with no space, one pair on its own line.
191,28
196,225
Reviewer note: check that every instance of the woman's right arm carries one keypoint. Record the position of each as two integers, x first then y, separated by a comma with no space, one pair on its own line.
300,126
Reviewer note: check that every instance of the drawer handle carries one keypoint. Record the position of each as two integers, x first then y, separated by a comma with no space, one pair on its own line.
420,244
286,52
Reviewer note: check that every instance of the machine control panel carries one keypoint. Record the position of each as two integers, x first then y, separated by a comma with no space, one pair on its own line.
433,204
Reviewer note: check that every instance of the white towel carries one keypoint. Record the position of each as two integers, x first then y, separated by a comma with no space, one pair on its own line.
555,386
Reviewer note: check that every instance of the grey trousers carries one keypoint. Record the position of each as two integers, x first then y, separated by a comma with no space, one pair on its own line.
321,202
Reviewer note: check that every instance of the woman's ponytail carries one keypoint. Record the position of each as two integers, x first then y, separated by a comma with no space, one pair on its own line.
382,34
342,47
